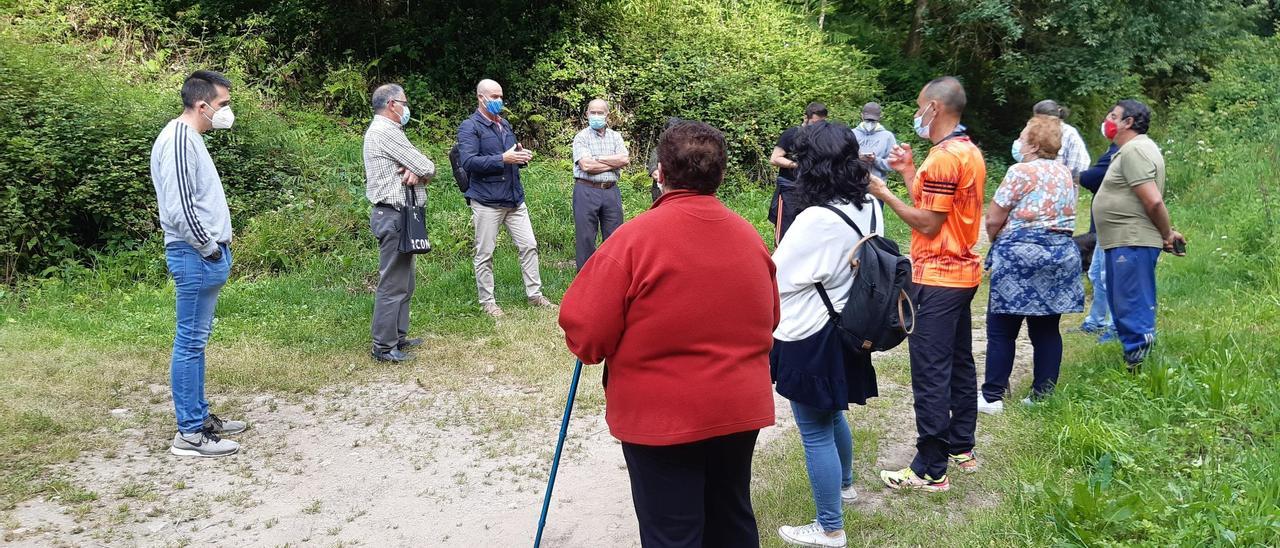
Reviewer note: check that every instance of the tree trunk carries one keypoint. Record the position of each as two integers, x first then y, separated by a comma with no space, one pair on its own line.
822,14
914,38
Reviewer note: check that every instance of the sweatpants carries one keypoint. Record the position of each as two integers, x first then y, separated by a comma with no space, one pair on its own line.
1131,290
1046,344
944,378
694,494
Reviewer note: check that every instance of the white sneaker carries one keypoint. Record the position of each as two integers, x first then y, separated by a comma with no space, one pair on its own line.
811,535
848,495
202,444
990,407
1029,402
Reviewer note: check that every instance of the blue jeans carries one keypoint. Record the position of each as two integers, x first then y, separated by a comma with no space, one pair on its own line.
197,282
1131,285
1099,318
828,454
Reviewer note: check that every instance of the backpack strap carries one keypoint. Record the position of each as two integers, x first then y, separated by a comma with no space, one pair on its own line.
826,299
850,222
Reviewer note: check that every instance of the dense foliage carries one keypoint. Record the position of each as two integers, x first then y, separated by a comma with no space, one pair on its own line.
1012,53
75,159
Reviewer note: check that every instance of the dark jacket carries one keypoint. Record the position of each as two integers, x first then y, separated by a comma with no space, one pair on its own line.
481,143
1092,178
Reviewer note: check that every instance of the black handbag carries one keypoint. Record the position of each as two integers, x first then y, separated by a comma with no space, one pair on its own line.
413,225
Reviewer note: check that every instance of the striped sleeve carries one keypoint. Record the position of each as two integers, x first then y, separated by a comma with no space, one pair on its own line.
187,183
939,180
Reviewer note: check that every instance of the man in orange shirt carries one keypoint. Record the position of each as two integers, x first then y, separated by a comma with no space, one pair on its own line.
947,193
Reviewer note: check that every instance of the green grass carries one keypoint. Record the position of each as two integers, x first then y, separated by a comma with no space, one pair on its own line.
1184,453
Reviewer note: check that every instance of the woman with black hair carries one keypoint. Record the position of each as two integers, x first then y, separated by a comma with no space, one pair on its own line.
808,364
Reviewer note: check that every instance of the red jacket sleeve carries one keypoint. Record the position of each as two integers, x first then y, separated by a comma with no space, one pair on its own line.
593,309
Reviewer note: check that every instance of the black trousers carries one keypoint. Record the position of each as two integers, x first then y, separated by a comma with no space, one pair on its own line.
1046,345
695,494
944,378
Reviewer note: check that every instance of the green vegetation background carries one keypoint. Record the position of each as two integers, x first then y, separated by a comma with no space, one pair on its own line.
1186,453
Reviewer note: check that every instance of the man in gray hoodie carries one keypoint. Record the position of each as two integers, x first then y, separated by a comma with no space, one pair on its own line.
197,238
874,141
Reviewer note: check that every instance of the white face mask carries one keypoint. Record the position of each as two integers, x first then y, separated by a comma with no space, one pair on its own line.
869,126
223,119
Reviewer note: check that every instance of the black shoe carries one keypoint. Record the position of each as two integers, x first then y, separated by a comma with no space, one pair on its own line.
394,356
409,343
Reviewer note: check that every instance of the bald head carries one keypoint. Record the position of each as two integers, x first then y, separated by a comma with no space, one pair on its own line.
487,87
598,107
948,93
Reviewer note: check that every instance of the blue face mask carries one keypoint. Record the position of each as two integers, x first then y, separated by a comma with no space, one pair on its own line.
494,106
1017,151
404,116
918,124
596,122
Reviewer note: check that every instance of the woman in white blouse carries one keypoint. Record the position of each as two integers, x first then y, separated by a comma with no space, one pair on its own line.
809,366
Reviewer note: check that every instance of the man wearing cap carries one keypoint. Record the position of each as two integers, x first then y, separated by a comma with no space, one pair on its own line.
874,141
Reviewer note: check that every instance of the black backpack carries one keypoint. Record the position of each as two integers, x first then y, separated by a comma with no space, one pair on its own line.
879,313
459,174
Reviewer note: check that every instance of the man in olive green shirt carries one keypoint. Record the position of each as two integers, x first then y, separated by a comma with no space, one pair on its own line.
1133,227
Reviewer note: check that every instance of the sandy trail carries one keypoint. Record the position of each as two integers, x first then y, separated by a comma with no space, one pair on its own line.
383,464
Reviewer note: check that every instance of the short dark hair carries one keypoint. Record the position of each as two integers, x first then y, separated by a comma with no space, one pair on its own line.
202,86
1133,108
1051,108
815,109
830,170
949,91
693,157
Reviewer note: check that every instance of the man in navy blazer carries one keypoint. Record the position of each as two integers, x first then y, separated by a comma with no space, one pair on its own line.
491,155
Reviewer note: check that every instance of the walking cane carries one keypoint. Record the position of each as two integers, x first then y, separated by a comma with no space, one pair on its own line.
555,464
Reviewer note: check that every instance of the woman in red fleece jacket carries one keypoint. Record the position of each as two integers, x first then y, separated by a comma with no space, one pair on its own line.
682,302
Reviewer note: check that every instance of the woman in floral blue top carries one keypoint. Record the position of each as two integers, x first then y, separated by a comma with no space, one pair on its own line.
1034,264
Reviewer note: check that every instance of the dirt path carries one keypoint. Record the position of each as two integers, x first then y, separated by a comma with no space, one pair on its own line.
377,465
385,464
396,463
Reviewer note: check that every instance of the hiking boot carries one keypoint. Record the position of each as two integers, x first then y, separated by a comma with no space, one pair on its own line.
990,407
220,427
492,309
907,479
409,343
967,461
541,302
811,535
202,444
848,495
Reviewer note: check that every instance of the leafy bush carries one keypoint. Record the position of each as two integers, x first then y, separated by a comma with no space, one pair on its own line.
746,67
75,158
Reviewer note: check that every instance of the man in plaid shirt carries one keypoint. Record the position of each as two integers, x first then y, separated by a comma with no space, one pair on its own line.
598,158
393,168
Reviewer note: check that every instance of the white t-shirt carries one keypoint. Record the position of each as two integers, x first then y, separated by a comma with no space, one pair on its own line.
816,249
